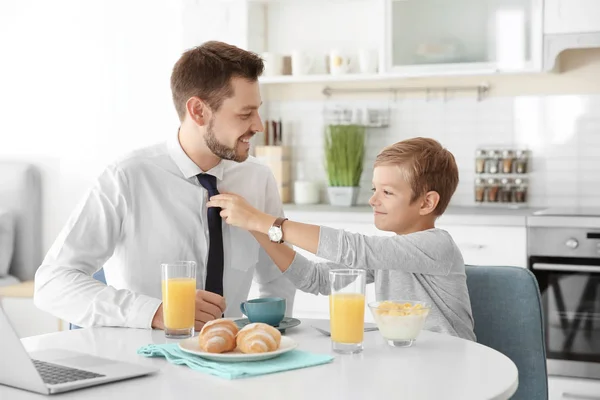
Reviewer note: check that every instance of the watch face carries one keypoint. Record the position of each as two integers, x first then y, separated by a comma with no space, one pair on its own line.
275,234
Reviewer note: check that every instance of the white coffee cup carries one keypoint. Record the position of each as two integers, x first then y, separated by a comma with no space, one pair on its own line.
273,64
306,192
338,63
367,61
301,63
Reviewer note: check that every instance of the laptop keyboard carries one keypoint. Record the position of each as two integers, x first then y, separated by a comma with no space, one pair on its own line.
53,374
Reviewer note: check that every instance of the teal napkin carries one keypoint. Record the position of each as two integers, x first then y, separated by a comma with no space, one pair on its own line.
294,359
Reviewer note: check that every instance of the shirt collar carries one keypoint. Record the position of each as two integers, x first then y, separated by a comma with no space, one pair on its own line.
185,164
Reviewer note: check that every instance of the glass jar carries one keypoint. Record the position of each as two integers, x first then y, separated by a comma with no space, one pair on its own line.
521,162
520,191
480,158
506,195
479,190
492,162
508,158
492,190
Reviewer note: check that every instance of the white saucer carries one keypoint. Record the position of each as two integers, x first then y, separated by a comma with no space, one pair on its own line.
192,346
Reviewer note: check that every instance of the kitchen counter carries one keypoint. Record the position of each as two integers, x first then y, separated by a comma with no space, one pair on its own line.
454,215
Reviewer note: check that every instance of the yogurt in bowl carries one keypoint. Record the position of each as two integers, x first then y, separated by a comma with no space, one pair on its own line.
400,321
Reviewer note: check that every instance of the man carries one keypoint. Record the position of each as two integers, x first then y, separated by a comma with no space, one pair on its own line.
150,208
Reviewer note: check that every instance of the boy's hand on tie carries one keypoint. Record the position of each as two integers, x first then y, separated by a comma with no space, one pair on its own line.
236,211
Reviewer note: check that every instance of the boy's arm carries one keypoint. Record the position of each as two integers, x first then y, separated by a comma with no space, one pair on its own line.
306,275
427,252
271,281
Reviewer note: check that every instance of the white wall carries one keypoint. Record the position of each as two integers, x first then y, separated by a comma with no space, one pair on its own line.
562,131
83,82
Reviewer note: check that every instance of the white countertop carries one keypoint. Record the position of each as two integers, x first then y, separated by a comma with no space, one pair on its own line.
454,215
436,367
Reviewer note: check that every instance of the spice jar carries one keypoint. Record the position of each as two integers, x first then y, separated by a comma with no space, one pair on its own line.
492,162
506,191
479,190
492,190
520,190
521,162
508,158
480,157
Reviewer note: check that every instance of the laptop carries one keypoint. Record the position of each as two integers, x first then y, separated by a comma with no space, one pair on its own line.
56,371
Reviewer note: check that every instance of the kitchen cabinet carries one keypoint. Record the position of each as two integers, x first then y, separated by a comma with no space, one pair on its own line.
462,36
490,245
571,16
560,388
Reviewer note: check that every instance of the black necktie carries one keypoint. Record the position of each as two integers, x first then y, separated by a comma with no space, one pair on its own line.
214,266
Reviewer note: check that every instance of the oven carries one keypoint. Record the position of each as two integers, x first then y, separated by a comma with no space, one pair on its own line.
564,255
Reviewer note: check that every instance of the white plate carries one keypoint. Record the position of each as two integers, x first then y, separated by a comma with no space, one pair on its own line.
192,346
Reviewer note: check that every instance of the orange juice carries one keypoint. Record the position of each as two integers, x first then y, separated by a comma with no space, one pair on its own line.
347,314
179,302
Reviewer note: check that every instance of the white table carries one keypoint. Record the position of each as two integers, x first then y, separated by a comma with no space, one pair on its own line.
436,367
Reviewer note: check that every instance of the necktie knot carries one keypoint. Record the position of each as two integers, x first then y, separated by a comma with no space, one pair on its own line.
208,182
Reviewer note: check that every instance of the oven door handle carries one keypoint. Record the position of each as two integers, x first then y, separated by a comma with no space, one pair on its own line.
566,267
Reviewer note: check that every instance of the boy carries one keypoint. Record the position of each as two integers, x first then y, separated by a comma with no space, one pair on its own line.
413,182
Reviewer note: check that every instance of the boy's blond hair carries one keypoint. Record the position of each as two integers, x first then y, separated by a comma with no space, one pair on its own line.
427,167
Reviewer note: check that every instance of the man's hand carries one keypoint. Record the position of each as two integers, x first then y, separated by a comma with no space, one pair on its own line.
209,306
158,321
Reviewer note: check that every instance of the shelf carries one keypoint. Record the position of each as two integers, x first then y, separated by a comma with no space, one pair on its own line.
349,78
324,78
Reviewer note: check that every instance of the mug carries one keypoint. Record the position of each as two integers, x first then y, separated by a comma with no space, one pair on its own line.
367,61
273,64
301,63
268,310
338,63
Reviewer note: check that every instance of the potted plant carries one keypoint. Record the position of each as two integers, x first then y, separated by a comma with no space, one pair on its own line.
344,157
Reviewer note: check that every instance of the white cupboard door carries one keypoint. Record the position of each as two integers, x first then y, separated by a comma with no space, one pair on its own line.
462,36
490,245
571,16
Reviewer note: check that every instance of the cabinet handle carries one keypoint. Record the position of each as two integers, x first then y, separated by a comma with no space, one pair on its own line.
471,246
567,395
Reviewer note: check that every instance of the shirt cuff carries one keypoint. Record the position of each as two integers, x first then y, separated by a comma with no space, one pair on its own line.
298,270
330,244
142,312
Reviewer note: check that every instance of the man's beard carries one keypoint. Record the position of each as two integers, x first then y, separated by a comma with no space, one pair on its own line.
219,149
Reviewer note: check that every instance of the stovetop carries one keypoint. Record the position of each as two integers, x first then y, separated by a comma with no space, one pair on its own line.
570,212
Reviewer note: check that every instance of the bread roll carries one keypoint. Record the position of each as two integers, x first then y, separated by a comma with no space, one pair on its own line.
258,338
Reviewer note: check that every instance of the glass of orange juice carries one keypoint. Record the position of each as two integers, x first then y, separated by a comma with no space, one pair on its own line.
179,298
347,309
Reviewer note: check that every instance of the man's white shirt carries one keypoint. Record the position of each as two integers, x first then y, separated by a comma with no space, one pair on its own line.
144,210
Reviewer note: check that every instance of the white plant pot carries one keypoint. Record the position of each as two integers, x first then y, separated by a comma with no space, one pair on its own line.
344,196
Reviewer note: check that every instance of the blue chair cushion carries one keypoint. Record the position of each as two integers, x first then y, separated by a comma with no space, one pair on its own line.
507,310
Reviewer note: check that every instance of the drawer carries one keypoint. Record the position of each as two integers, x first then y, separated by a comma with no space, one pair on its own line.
496,245
560,388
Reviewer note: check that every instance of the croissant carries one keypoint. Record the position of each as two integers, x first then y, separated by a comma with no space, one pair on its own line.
258,338
218,336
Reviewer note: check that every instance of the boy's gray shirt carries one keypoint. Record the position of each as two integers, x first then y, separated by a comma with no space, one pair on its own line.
425,265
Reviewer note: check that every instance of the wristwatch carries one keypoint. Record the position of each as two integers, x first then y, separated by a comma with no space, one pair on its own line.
275,232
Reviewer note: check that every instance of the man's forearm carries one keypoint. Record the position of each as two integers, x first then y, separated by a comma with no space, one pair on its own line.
78,298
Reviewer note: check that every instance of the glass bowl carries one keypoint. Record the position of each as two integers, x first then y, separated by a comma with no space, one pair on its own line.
400,321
